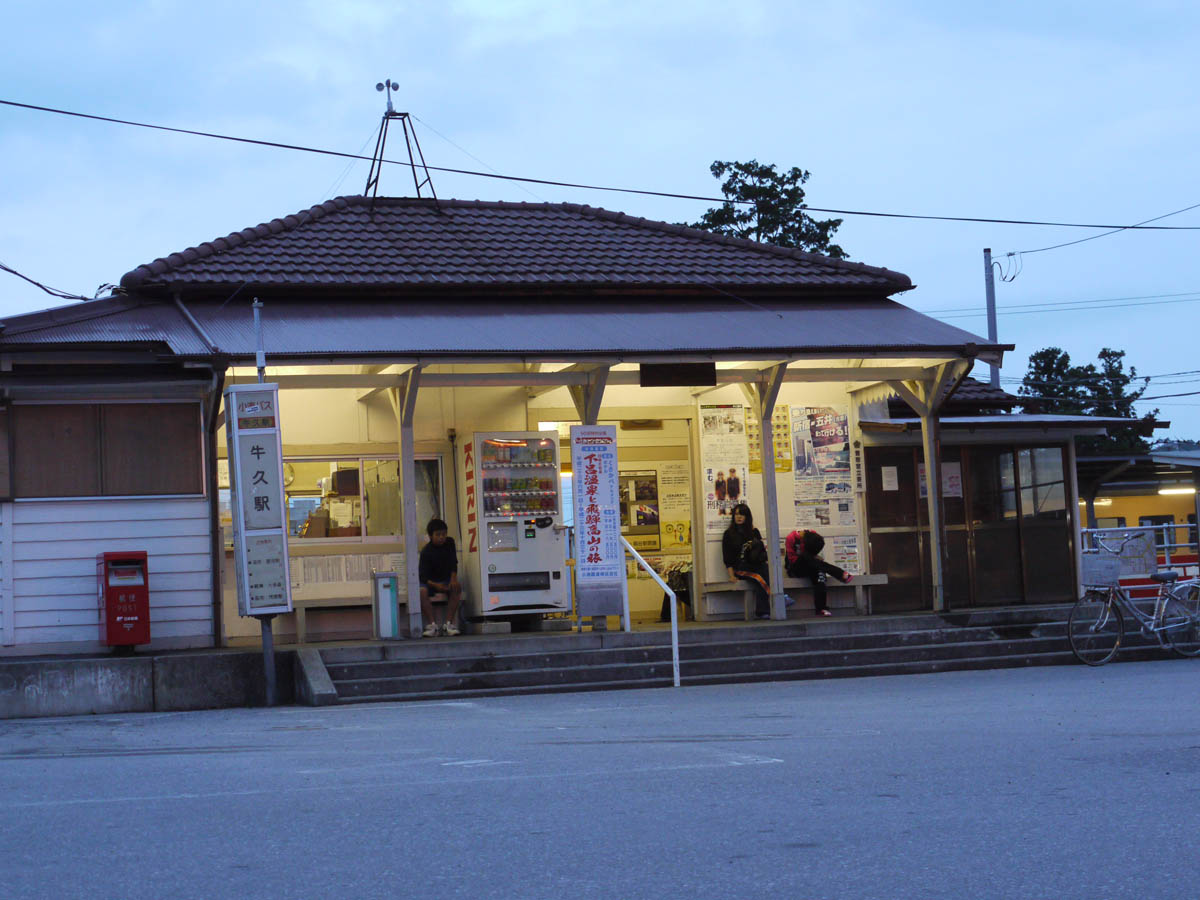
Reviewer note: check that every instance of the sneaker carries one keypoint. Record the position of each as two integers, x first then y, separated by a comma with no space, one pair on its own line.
431,630
789,601
824,612
763,616
847,578
450,630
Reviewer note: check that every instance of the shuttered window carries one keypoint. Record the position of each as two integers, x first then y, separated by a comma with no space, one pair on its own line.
111,450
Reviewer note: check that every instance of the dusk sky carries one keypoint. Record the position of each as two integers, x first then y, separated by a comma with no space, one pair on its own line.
1072,112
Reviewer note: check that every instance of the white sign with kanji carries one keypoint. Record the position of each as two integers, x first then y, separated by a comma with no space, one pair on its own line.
258,499
599,554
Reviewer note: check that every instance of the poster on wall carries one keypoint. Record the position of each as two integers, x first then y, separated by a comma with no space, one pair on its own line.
842,551
640,517
675,505
951,479
828,513
781,436
821,453
724,463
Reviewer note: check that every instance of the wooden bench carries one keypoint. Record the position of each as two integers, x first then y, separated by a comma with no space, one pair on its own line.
862,601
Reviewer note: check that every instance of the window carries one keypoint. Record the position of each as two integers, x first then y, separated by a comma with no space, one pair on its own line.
357,499
106,449
1162,534
1043,489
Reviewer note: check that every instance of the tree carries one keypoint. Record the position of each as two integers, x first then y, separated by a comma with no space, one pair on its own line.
1053,385
766,205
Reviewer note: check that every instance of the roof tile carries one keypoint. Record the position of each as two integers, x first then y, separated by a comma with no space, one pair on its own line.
389,242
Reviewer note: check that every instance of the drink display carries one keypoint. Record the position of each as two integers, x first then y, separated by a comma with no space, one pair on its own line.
516,544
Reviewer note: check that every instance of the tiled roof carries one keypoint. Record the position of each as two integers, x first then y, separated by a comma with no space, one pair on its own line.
395,242
972,392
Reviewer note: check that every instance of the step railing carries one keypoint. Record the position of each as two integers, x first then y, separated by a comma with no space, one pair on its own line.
674,614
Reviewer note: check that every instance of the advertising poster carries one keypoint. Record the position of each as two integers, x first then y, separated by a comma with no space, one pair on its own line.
824,486
821,452
782,437
842,551
675,505
951,479
822,514
637,491
724,462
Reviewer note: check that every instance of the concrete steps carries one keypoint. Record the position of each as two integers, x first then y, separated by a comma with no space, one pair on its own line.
829,648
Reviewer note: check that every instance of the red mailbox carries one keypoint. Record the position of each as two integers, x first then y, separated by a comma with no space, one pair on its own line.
124,598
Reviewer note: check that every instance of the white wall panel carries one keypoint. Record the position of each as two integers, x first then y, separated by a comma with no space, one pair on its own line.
54,545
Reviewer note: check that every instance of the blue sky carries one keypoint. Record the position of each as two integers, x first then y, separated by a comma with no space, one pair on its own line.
1057,111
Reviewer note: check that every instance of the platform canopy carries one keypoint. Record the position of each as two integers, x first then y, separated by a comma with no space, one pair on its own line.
421,281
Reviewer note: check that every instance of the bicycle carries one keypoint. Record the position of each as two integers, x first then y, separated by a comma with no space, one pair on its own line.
1096,624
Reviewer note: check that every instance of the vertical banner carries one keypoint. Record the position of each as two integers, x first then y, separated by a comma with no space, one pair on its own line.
257,499
724,463
599,554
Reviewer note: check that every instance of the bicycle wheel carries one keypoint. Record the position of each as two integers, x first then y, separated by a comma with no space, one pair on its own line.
1095,628
1181,622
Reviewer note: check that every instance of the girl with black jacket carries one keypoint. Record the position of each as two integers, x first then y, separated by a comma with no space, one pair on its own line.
743,559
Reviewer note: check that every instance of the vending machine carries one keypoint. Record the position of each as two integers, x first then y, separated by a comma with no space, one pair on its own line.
515,548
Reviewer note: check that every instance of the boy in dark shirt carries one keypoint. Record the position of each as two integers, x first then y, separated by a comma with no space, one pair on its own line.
438,573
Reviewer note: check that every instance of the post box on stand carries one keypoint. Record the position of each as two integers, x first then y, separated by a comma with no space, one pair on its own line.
124,588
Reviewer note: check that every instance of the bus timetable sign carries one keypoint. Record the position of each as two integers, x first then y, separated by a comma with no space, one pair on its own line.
256,482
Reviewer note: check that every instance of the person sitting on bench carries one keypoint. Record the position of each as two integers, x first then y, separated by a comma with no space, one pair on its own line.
438,573
803,561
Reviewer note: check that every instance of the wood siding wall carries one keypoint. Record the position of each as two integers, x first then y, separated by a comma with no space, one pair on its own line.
52,546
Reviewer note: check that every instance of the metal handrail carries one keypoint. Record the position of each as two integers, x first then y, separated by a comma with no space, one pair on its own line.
674,615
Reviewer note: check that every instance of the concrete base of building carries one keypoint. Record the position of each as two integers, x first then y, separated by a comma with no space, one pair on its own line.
160,683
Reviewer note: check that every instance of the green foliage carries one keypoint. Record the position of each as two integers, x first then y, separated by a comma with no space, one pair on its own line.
1054,385
769,208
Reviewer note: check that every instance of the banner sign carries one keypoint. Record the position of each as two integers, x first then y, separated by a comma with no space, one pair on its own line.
599,554
256,484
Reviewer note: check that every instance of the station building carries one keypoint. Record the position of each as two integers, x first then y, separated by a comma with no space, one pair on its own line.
398,328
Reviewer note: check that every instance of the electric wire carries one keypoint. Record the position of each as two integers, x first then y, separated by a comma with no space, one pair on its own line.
583,186
1027,312
952,309
53,292
1107,233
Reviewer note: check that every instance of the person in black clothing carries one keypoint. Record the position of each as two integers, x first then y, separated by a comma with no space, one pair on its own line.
807,563
745,560
438,573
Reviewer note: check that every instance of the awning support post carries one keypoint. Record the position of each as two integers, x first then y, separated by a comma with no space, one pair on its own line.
926,398
404,400
766,393
588,397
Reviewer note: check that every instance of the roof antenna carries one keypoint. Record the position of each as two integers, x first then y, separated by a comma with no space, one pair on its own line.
415,160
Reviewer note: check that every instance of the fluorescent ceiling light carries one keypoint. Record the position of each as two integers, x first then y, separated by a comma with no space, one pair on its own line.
1177,490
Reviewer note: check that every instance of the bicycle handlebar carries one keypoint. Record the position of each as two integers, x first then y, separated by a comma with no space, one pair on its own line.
1100,545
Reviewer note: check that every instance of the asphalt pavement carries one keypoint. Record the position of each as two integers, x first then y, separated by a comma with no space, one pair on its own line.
1044,782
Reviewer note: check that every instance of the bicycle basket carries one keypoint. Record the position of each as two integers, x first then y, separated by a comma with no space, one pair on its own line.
1101,569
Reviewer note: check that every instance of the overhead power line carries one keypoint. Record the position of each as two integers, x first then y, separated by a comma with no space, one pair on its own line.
954,309
1107,233
53,292
583,186
1026,312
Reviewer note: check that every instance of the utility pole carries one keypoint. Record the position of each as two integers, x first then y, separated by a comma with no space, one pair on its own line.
989,281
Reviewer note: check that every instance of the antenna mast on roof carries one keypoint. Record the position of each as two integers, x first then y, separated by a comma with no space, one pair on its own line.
415,160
